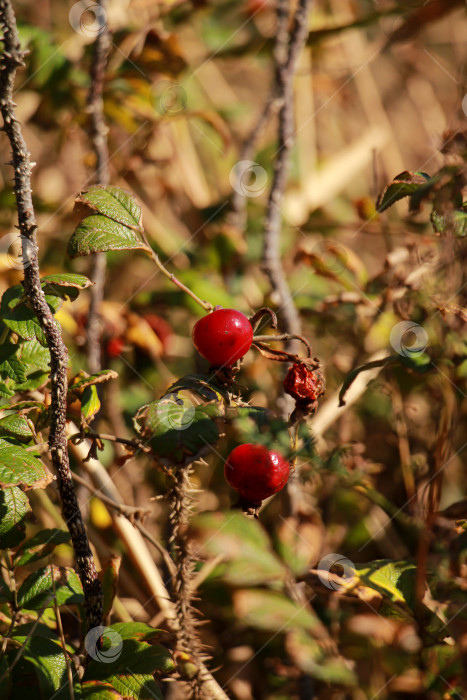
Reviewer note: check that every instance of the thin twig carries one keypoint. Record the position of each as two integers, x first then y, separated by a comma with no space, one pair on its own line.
98,135
286,52
283,336
104,436
130,512
204,304
11,59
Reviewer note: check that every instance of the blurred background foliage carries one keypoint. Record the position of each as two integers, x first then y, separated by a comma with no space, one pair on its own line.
380,89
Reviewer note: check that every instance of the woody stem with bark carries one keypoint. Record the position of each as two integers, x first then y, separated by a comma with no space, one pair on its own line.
11,60
286,52
182,581
98,136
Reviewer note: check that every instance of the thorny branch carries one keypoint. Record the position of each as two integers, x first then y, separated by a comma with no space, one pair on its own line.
286,52
188,644
10,61
98,136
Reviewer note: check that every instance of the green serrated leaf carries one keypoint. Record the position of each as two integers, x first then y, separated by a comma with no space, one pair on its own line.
40,545
274,612
65,285
90,404
10,365
100,690
37,588
113,202
403,185
176,428
5,391
83,380
393,579
36,357
248,558
20,318
15,425
14,507
137,630
35,412
34,354
21,468
45,654
130,673
67,279
34,381
98,234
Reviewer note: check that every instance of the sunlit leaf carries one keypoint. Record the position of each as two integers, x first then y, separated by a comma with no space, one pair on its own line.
97,234
14,507
10,365
393,579
20,468
44,652
112,202
403,185
40,545
37,588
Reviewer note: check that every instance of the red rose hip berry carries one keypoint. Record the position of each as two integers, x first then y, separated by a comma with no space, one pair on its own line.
223,336
256,472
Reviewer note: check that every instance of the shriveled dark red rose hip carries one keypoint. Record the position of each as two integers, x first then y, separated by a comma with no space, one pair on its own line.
303,383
